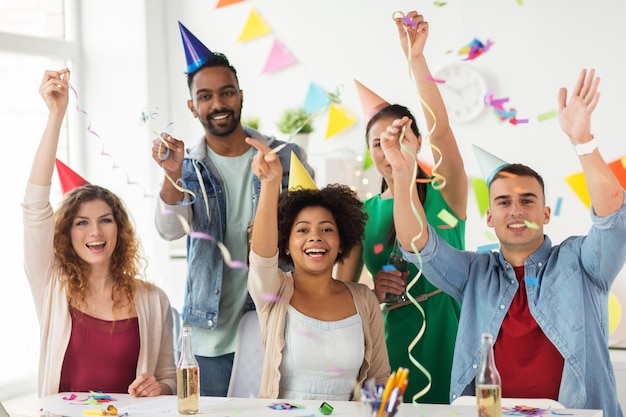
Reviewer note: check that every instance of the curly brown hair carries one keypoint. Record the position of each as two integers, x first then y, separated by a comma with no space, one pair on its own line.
339,199
127,264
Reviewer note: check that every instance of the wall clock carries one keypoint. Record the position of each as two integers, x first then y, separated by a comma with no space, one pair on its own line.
463,91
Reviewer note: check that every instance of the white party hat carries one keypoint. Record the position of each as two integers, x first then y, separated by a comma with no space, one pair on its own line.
489,163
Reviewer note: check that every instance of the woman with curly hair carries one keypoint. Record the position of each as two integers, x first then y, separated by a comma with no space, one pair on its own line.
103,328
323,338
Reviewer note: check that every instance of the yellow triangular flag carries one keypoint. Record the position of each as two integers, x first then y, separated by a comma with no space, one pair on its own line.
298,176
338,120
255,27
579,185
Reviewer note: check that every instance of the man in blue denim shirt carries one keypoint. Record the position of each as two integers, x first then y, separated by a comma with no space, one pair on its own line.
218,204
563,311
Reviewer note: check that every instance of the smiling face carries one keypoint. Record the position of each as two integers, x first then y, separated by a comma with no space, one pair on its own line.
314,241
517,212
94,233
216,100
373,143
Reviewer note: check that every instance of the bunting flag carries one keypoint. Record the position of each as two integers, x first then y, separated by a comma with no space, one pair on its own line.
367,160
254,28
578,184
316,99
615,312
339,119
224,3
481,192
278,58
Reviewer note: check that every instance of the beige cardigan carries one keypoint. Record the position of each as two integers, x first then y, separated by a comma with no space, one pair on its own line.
156,352
265,278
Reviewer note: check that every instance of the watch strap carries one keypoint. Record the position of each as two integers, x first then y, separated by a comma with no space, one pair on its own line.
587,147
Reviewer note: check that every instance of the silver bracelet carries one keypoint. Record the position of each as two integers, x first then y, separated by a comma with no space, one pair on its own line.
587,147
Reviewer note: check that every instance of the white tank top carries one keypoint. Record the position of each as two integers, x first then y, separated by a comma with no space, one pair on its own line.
321,359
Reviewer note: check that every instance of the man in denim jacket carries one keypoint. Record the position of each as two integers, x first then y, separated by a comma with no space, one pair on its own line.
547,306
215,198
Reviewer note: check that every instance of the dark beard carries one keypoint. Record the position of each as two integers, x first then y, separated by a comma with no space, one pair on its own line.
221,130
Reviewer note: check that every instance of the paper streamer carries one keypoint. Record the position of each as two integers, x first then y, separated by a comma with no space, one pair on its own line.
225,252
102,151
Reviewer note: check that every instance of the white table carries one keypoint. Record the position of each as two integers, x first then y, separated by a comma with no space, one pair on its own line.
245,407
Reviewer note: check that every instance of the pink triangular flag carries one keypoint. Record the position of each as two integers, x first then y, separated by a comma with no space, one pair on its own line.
279,58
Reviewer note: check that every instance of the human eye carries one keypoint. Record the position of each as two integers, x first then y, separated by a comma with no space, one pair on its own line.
107,220
80,222
327,229
204,97
228,93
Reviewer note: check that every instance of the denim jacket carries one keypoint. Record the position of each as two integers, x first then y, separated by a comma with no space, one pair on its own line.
207,215
567,287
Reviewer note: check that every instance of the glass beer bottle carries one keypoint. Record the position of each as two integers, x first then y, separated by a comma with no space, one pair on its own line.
397,261
488,383
187,377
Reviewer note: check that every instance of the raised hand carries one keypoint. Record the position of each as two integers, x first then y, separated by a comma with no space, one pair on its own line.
169,153
54,90
575,113
265,164
400,145
413,34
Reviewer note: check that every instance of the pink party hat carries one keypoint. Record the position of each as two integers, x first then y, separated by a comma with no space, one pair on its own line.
68,178
371,102
196,53
489,164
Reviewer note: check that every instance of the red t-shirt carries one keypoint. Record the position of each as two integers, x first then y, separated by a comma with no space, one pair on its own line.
101,355
529,364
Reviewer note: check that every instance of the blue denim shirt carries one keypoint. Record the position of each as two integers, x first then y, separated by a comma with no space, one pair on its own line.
208,214
567,287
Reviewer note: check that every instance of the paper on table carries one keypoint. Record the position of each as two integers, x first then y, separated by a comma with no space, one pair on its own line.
167,405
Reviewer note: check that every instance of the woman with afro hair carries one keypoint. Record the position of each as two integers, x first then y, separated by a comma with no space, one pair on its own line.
323,337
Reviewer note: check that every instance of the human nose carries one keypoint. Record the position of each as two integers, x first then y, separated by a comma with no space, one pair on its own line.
95,229
515,209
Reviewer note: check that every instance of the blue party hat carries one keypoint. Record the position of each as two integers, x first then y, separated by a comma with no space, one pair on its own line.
195,51
489,164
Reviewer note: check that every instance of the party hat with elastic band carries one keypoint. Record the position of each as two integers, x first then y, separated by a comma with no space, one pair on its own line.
371,103
489,164
298,176
68,178
196,53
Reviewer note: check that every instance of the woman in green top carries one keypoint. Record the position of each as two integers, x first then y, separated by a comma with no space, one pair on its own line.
434,351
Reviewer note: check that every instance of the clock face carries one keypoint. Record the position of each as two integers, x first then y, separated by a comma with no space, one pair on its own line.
463,91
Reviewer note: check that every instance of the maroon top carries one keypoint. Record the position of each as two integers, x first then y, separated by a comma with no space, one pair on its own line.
530,365
101,355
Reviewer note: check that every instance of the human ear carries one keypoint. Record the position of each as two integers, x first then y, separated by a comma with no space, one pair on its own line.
192,108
